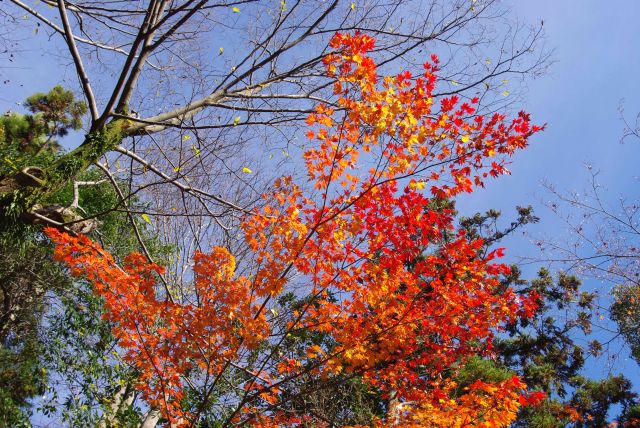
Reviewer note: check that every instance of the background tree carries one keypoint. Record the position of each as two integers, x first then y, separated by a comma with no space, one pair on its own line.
604,246
28,272
198,103
548,351
258,87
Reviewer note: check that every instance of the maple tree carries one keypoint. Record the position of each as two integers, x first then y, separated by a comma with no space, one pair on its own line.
402,306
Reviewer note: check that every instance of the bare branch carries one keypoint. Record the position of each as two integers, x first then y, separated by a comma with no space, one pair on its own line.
82,74
179,184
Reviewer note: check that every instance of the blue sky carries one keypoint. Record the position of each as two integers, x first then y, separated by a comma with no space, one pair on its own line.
596,68
594,72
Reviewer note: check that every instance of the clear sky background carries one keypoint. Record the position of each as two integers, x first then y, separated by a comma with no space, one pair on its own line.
596,69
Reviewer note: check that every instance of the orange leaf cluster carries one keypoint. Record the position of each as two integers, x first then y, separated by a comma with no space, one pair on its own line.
163,340
403,296
482,405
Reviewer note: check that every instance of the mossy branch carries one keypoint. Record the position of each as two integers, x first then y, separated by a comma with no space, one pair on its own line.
17,196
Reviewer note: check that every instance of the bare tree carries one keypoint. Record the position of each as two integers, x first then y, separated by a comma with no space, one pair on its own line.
604,243
176,82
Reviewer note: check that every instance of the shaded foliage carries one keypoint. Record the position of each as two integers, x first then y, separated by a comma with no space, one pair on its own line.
53,341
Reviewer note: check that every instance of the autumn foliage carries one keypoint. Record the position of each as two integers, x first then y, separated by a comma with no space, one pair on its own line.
404,297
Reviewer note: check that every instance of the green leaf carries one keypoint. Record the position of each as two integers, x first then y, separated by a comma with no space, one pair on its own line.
11,163
236,121
146,218
246,170
236,10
